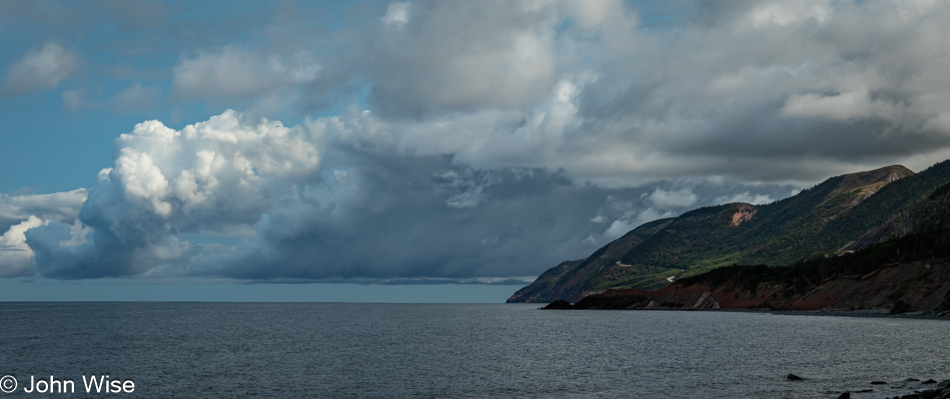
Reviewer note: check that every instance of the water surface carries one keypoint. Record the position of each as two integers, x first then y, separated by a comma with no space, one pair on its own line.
321,350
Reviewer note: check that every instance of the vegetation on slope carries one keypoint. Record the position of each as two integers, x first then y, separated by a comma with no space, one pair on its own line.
823,220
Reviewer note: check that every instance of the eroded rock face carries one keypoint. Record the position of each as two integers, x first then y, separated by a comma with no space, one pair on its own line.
907,286
744,213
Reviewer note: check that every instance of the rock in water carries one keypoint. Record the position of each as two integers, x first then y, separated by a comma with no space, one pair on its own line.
878,383
846,395
793,377
559,304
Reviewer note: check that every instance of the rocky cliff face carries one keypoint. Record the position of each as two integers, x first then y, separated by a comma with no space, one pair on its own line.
820,220
909,273
910,286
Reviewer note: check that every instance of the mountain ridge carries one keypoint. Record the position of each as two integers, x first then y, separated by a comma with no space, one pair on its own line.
818,221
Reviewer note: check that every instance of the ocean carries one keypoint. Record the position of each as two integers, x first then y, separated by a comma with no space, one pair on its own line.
329,350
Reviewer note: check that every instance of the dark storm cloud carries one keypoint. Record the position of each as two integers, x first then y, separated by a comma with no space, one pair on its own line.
400,223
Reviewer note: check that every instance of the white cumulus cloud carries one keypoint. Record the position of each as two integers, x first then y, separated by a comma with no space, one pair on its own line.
210,176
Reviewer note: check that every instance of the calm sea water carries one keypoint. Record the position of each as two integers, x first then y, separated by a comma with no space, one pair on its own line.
218,350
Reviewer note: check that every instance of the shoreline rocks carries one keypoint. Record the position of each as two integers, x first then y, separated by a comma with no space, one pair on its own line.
940,391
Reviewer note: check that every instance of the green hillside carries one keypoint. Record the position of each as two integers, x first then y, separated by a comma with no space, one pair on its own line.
821,221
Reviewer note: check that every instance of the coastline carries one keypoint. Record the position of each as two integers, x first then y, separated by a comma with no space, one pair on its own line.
876,313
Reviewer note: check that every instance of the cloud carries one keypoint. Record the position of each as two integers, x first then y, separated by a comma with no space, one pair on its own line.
590,88
747,197
73,100
624,214
467,187
134,97
621,226
19,213
15,255
715,96
62,206
40,69
444,59
237,73
241,197
848,106
532,138
595,12
783,13
673,199
212,176
309,223
490,139
397,15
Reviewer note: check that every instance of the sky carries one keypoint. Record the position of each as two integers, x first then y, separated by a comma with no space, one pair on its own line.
425,151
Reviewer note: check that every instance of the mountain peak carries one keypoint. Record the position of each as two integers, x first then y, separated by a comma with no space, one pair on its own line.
861,185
